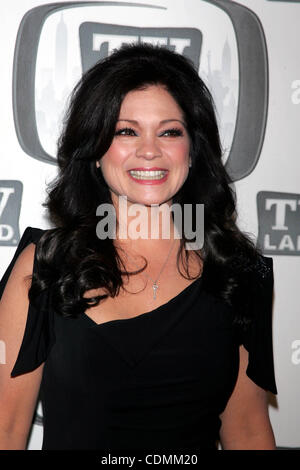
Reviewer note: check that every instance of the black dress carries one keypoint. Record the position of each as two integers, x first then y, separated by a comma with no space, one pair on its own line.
156,381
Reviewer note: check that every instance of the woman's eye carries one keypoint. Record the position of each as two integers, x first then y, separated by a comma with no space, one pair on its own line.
173,133
125,131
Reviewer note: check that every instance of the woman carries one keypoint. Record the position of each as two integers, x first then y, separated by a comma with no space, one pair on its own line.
138,344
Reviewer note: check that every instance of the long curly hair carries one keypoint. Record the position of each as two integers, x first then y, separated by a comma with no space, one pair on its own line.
71,259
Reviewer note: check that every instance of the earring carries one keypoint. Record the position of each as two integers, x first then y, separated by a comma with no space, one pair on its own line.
190,164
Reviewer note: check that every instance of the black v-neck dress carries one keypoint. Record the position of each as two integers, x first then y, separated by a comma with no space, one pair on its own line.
156,381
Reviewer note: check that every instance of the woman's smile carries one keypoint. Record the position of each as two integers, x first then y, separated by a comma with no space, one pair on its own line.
150,176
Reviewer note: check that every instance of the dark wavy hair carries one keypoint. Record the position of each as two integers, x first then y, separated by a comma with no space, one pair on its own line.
71,259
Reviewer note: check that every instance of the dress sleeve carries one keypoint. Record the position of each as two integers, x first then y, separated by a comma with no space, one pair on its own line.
257,339
38,336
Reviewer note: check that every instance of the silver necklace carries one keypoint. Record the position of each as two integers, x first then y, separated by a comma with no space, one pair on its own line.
155,284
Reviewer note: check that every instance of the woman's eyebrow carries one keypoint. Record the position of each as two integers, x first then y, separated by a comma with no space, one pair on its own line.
161,122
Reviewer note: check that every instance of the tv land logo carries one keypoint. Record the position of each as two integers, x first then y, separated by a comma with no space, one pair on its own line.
10,206
241,94
98,40
278,219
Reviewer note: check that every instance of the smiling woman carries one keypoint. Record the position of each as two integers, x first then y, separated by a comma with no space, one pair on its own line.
179,362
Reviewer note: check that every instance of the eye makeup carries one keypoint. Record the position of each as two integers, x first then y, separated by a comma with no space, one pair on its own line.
127,131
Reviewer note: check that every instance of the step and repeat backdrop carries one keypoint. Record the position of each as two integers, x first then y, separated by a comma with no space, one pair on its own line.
246,51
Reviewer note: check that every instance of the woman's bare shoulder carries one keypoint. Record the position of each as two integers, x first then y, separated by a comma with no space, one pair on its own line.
23,267
25,260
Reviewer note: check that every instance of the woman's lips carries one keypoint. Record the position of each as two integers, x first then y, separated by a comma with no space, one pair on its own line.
149,181
153,168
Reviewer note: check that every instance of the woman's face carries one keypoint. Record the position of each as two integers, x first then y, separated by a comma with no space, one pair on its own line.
150,135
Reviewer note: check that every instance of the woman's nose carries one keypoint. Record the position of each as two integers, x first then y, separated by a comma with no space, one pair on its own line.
148,147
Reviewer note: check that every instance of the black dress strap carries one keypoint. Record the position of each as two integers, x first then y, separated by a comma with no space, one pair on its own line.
257,339
39,336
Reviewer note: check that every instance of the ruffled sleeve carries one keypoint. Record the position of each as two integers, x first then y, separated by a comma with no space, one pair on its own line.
257,339
38,337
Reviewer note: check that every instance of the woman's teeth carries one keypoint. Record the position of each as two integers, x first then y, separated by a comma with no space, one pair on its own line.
148,175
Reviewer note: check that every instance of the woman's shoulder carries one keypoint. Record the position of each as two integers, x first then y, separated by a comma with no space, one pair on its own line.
27,245
261,271
22,262
36,317
257,268
266,266
263,265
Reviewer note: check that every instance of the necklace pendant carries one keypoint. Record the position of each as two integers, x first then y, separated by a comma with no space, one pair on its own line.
155,287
